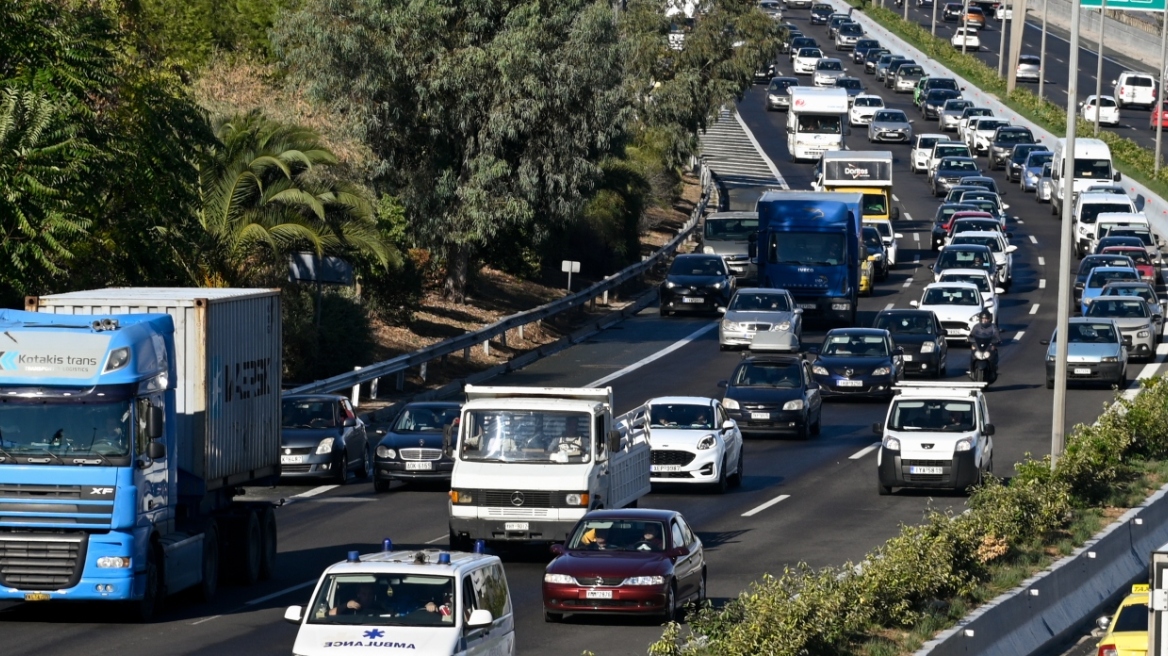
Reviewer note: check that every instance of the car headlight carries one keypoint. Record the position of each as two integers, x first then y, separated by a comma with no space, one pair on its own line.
773,97
964,444
928,347
576,499
729,325
1143,334
461,497
113,562
975,318
669,284
1109,358
386,452
882,371
718,285
644,580
730,404
786,325
819,370
796,404
560,579
708,250
891,443
325,446
706,443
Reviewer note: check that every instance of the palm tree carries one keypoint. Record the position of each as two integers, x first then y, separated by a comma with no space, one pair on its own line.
259,199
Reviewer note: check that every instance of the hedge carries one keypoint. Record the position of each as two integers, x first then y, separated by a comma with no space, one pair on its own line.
939,568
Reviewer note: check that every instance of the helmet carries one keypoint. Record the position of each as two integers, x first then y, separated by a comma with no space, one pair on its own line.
985,316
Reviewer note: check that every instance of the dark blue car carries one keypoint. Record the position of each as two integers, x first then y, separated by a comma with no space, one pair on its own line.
770,394
417,447
858,362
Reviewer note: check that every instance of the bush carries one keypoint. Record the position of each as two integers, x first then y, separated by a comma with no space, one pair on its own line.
344,340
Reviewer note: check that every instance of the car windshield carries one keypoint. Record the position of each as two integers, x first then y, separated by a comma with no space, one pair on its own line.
870,101
618,535
856,346
526,436
814,53
681,415
735,229
1135,291
829,65
819,124
1139,256
71,431
1038,159
891,116
943,83
951,296
906,71
849,83
872,238
823,248
1099,279
906,324
380,599
851,30
1090,211
768,374
983,203
973,112
990,242
957,105
422,419
1143,235
760,302
304,413
779,86
927,143
987,125
931,415
982,282
1099,169
957,165
1102,102
698,266
954,259
949,151
1091,333
1013,137
1133,309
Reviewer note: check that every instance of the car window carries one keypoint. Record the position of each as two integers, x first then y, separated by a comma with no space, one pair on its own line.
951,296
869,102
1100,278
680,415
760,302
618,535
865,346
906,324
420,419
698,266
686,533
829,65
306,413
1133,309
1091,333
677,535
932,415
768,374
989,242
981,282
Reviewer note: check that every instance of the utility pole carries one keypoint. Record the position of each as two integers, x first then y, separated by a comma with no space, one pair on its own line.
934,28
1018,29
1042,53
1099,66
1159,111
1002,53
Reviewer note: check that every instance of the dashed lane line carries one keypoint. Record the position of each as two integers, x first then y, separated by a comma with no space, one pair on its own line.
1018,337
1033,239
1034,309
1042,283
864,451
1041,261
757,509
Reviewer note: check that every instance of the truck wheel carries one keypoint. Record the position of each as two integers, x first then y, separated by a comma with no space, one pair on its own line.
206,590
144,609
268,543
248,546
459,543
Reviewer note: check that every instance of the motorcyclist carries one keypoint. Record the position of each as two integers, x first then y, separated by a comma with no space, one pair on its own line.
986,332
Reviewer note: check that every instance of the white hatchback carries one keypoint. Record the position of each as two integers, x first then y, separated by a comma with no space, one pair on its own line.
694,441
922,148
1106,106
805,61
864,108
956,305
967,38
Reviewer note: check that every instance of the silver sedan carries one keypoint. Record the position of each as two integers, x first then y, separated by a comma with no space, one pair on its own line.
827,71
890,125
1029,68
754,310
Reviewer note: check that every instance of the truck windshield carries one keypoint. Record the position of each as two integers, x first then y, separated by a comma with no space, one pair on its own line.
380,599
64,433
526,436
730,229
875,205
1095,169
822,248
929,415
819,124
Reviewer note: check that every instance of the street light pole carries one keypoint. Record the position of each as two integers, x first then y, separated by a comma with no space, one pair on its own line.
1099,66
1002,47
1059,409
1042,52
964,24
905,9
1018,30
1159,111
934,30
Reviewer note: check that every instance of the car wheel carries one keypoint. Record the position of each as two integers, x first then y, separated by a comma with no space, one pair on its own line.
340,469
669,612
663,312
882,489
553,618
1049,383
817,427
1121,381
803,431
736,478
380,484
364,469
723,482
702,588
459,543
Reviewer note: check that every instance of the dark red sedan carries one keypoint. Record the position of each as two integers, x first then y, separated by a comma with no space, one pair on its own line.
639,561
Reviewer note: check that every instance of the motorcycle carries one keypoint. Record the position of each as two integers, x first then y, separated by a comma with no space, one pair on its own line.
981,362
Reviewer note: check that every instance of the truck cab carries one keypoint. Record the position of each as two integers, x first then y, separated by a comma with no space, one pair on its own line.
530,462
816,122
865,172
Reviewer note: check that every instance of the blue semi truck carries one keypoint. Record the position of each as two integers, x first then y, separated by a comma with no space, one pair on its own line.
129,419
809,244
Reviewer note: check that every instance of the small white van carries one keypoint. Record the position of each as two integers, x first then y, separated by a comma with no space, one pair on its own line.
1133,88
1088,207
418,602
1092,166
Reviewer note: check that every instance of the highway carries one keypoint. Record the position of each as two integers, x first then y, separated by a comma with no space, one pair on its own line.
830,512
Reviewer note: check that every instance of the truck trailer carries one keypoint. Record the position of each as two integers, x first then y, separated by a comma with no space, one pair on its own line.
129,419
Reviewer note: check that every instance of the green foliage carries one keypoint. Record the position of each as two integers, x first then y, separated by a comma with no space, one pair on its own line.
189,32
344,340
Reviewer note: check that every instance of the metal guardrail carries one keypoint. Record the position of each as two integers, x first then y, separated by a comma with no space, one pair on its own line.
483,336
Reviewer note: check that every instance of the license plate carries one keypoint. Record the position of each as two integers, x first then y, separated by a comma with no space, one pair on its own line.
850,383
807,306
954,331
515,526
691,299
291,460
1082,371
419,466
598,594
665,468
36,596
760,415
907,357
925,470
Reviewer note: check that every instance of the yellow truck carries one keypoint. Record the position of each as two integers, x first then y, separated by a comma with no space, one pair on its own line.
866,172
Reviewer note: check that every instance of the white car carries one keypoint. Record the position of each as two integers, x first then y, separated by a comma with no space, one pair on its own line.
943,149
887,236
1133,88
918,159
864,108
981,134
692,440
971,114
805,61
966,37
956,304
981,279
827,71
1003,251
1106,106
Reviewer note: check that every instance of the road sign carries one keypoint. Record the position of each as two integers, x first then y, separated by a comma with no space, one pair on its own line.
569,267
1125,5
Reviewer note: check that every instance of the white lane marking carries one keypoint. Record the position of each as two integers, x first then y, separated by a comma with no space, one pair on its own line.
1060,60
281,593
1021,222
206,619
864,451
895,199
754,511
1033,240
1042,283
1148,371
314,491
1018,337
916,236
907,216
654,357
1034,309
1041,261
437,539
770,165
889,306
908,283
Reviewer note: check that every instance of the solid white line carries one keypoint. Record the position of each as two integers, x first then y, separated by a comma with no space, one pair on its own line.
1042,283
281,593
771,165
1034,309
1041,261
864,451
889,306
656,356
437,539
916,236
1033,240
314,491
754,511
1018,337
206,619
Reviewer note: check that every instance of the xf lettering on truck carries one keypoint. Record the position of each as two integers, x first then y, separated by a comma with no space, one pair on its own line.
247,380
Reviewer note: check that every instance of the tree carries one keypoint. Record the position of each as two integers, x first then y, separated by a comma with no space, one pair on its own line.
486,115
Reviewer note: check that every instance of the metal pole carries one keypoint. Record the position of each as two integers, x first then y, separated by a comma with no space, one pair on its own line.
906,9
964,24
1017,32
1099,65
934,30
1160,92
1042,52
1002,49
1059,418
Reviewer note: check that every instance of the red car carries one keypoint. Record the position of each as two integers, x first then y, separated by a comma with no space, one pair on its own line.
630,561
1139,256
965,214
1159,115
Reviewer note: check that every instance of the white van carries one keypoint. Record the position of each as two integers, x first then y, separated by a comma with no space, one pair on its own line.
815,122
1092,165
1088,207
419,602
1133,88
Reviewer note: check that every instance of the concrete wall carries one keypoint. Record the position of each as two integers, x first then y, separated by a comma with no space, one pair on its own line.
1127,40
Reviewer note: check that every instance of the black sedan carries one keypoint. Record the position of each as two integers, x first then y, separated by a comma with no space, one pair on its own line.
862,48
417,446
920,335
321,437
774,394
858,362
949,172
952,11
935,100
820,13
696,283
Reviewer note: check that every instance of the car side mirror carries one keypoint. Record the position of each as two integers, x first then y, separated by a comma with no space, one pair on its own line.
557,549
987,430
1117,176
479,618
155,420
1011,248
294,614
898,350
813,350
798,310
728,425
155,450
999,290
878,428
349,422
914,303
1044,342
897,235
1158,317
895,215
723,384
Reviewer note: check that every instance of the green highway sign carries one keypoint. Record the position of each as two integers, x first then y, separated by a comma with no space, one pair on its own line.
1125,5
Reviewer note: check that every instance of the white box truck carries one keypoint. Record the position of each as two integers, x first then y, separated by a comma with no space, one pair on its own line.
1092,166
529,462
816,122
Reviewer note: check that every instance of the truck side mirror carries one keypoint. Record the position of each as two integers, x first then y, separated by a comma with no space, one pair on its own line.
294,614
1117,176
155,450
752,249
154,422
987,430
614,440
878,428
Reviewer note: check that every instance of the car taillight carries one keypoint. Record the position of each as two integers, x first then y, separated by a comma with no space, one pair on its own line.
1122,90
1108,650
